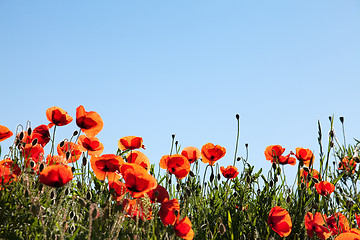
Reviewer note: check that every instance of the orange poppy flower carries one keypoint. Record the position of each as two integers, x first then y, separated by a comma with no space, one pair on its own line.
106,165
89,122
8,171
137,180
305,155
230,172
211,153
130,143
57,116
347,165
159,194
42,134
353,235
176,164
324,188
90,144
119,189
136,208
191,153
183,229
315,225
274,153
71,147
280,221
167,211
34,153
5,133
138,158
56,175
337,223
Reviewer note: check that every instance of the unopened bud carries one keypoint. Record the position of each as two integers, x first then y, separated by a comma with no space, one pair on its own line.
237,116
29,131
34,142
341,119
75,133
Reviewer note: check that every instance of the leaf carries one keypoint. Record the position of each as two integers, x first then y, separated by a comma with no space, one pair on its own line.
230,226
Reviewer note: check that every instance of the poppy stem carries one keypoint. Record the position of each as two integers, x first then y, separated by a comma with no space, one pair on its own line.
237,137
52,144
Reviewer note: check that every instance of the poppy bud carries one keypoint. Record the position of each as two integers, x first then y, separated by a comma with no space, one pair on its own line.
29,131
246,145
315,180
21,136
178,187
235,194
67,191
191,173
302,185
67,155
340,190
170,181
72,228
78,184
237,116
173,136
75,218
222,229
52,195
176,143
32,164
331,133
288,199
75,133
278,171
306,169
341,119
274,166
176,213
41,167
331,144
73,169
330,118
71,214
248,179
205,184
212,177
88,195
218,177
258,191
82,202
238,159
276,179
84,161
34,142
40,187
271,183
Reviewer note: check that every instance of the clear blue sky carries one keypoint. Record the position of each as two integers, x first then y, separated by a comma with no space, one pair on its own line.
154,68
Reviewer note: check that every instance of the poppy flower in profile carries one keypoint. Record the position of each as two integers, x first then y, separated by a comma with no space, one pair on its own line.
8,171
305,155
89,122
347,165
159,194
337,223
56,175
183,229
139,158
137,180
5,133
55,159
119,189
230,172
280,221
130,143
168,211
106,165
324,188
57,116
211,153
176,164
314,225
90,144
274,153
137,208
72,148
42,134
191,153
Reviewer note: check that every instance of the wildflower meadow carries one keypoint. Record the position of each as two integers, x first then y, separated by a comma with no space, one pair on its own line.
76,191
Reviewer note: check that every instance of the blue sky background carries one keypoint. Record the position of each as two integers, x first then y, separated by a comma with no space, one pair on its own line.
154,68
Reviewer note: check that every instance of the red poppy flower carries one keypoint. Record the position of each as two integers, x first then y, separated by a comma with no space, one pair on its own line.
167,211
159,194
57,116
353,234
347,165
130,143
191,153
119,189
8,171
139,158
90,144
230,172
305,155
337,223
89,122
106,165
137,180
42,134
211,153
274,154
55,159
324,188
5,133
56,175
136,208
315,225
280,221
71,147
176,164
35,153
183,229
